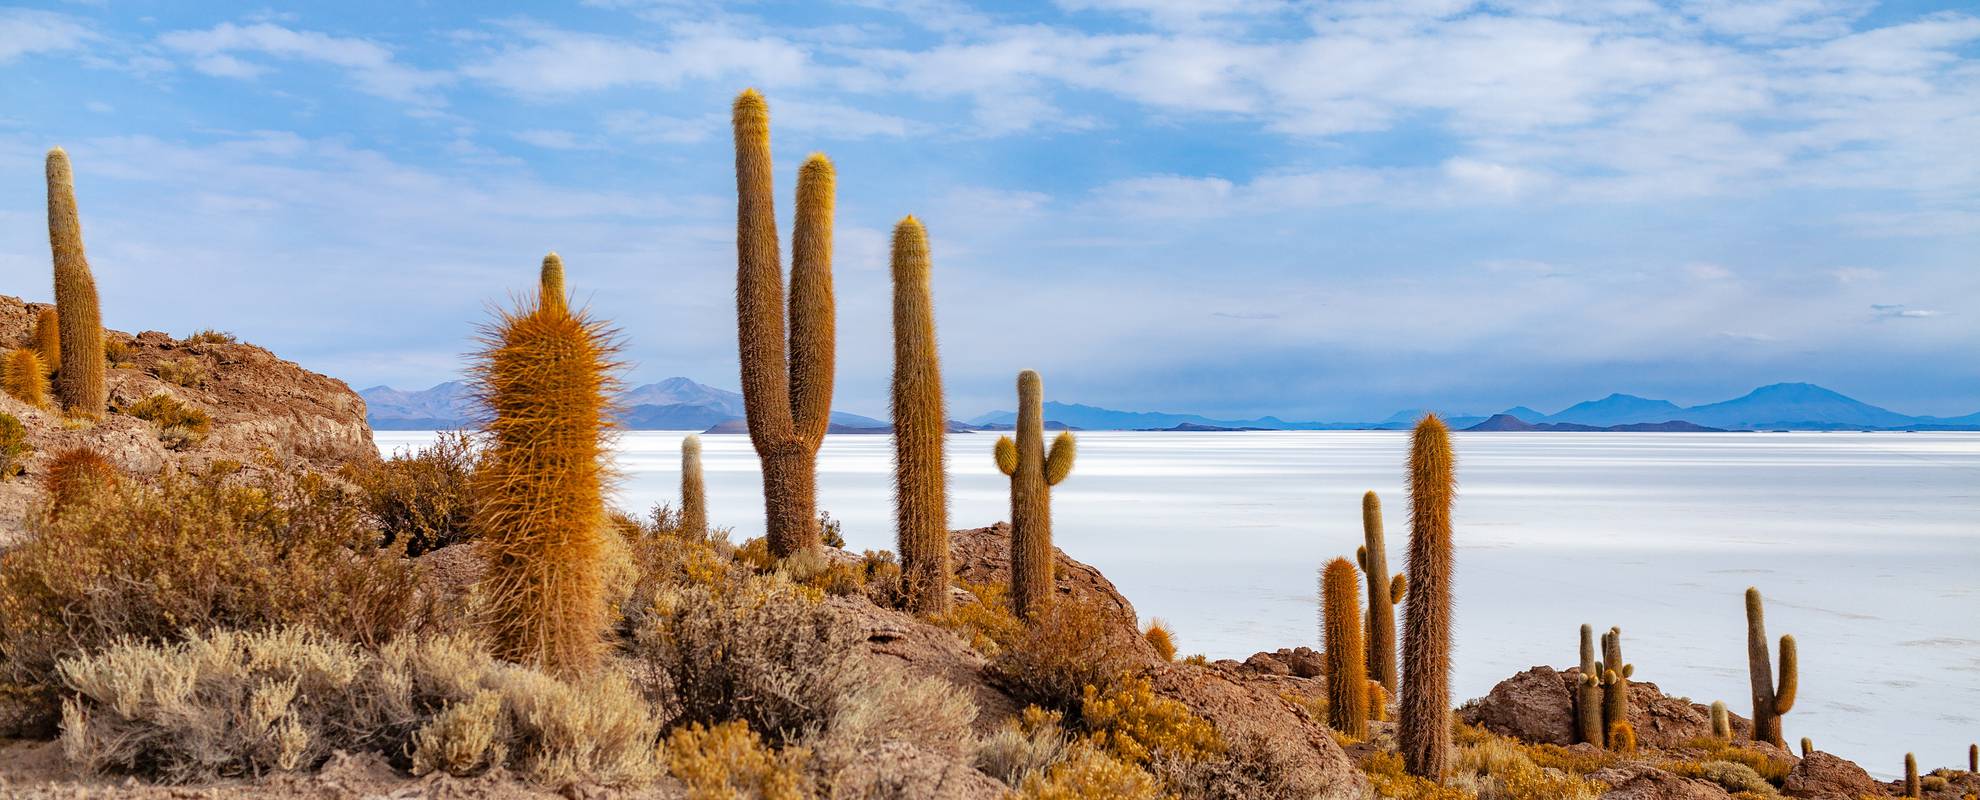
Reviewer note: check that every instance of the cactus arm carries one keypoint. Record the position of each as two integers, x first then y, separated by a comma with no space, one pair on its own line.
1790,677
1398,586
813,333
1006,455
550,282
1361,557
1059,459
759,282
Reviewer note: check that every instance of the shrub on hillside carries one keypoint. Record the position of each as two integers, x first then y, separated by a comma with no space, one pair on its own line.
179,425
14,447
211,336
1069,646
188,371
730,761
425,499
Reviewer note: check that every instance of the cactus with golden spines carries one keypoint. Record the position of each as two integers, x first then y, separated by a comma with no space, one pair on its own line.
24,377
48,339
1160,636
546,375
1622,736
1588,692
1615,681
1911,785
550,282
694,495
1347,669
787,383
80,388
1722,728
921,426
1033,470
1425,720
1807,746
1378,701
73,475
1770,699
1374,558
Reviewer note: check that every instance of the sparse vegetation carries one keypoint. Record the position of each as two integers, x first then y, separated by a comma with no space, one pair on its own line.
14,447
180,425
1067,647
730,761
424,500
186,371
211,336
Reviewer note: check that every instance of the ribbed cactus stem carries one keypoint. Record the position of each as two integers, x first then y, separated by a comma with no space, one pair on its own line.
80,387
1374,558
1615,682
1911,787
1973,758
1807,746
921,500
694,494
1034,472
1770,700
1347,671
1425,735
1722,728
550,282
545,374
787,385
1588,692
48,338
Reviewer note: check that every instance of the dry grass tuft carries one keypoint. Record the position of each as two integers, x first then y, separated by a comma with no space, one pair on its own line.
14,447
211,336
1025,746
180,425
1087,773
187,371
986,621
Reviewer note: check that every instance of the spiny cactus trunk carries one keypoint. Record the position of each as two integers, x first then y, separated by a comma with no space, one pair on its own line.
694,495
1425,736
1973,758
80,387
1769,701
550,282
921,500
787,385
1911,786
1347,670
1722,728
1381,606
1615,684
545,374
48,339
1031,504
1588,693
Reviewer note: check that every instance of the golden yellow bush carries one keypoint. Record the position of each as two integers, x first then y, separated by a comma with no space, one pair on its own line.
986,621
1390,780
179,425
730,762
1133,724
1025,745
1068,646
1090,773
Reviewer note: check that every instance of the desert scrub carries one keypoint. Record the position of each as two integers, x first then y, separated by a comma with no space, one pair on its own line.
180,425
187,371
1134,725
1386,774
1254,766
1069,646
151,563
1772,768
1025,745
1500,769
14,447
117,353
729,761
1087,773
986,620
211,336
423,500
1733,776
229,704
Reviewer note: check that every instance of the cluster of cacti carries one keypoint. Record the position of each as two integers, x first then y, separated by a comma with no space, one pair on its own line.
694,496
24,377
1770,700
921,426
1033,471
80,387
787,385
1383,594
1722,728
48,339
546,376
1425,721
1347,668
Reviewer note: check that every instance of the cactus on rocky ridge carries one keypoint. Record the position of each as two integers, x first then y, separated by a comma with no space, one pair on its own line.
1770,700
80,387
921,426
1374,558
1347,671
1033,471
1425,717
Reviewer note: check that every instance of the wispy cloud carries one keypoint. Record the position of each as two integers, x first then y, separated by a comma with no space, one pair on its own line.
374,69
26,31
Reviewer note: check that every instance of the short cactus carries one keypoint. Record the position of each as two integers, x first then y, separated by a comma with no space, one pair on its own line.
1615,682
1722,728
1425,735
1347,671
546,375
1034,470
24,377
80,388
1588,692
694,495
1973,758
1622,737
1807,746
1161,637
1911,787
1374,558
74,474
550,282
1770,701
921,427
48,338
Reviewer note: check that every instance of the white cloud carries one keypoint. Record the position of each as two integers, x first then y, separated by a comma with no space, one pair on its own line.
27,31
1896,311
372,66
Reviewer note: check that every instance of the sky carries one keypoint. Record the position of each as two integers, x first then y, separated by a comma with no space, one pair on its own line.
1327,210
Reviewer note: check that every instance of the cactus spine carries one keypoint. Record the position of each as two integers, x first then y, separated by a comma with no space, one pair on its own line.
1034,471
1769,700
921,501
1347,668
787,385
1615,688
694,497
545,373
1722,728
1588,692
1374,558
25,378
80,388
551,282
1425,738
48,339
1911,787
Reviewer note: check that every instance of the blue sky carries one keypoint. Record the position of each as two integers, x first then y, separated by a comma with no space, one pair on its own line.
1314,210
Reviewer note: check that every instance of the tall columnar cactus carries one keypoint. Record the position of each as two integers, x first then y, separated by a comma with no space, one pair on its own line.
80,387
1425,739
1034,471
1615,689
921,495
1722,728
546,374
1347,667
1382,594
1770,701
1911,787
694,496
787,385
1973,758
1588,692
550,282
48,338
24,378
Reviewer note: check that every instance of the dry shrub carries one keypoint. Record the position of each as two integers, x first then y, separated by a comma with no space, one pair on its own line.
1024,746
1500,769
153,563
730,762
424,498
231,704
179,425
1770,767
117,352
211,336
1091,773
1070,645
14,447
1390,780
188,371
1732,775
986,621
1133,724
1256,765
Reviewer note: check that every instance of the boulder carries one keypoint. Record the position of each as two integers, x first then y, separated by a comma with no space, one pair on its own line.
1822,776
1638,781
1302,662
1534,706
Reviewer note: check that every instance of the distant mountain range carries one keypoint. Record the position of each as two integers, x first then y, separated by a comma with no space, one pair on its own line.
682,404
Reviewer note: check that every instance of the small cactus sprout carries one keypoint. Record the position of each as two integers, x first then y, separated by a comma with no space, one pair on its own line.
1622,737
1425,740
80,388
1807,746
694,495
1378,701
1911,787
1161,637
1615,682
48,338
1374,558
1973,758
1770,700
73,475
1722,728
1588,692
1034,471
24,378
1347,672
921,427
551,282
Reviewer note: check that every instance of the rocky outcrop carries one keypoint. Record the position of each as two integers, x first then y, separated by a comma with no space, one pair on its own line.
1299,662
261,407
1822,776
1639,781
1526,707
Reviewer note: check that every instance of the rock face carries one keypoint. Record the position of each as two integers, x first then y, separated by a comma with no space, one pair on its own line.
1821,776
1644,782
259,405
1527,708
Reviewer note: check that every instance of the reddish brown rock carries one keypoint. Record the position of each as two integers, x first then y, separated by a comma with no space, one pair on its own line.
1533,706
1662,721
1243,710
1644,782
1302,662
1822,776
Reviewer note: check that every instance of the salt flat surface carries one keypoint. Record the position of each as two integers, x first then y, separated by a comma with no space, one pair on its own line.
1867,547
